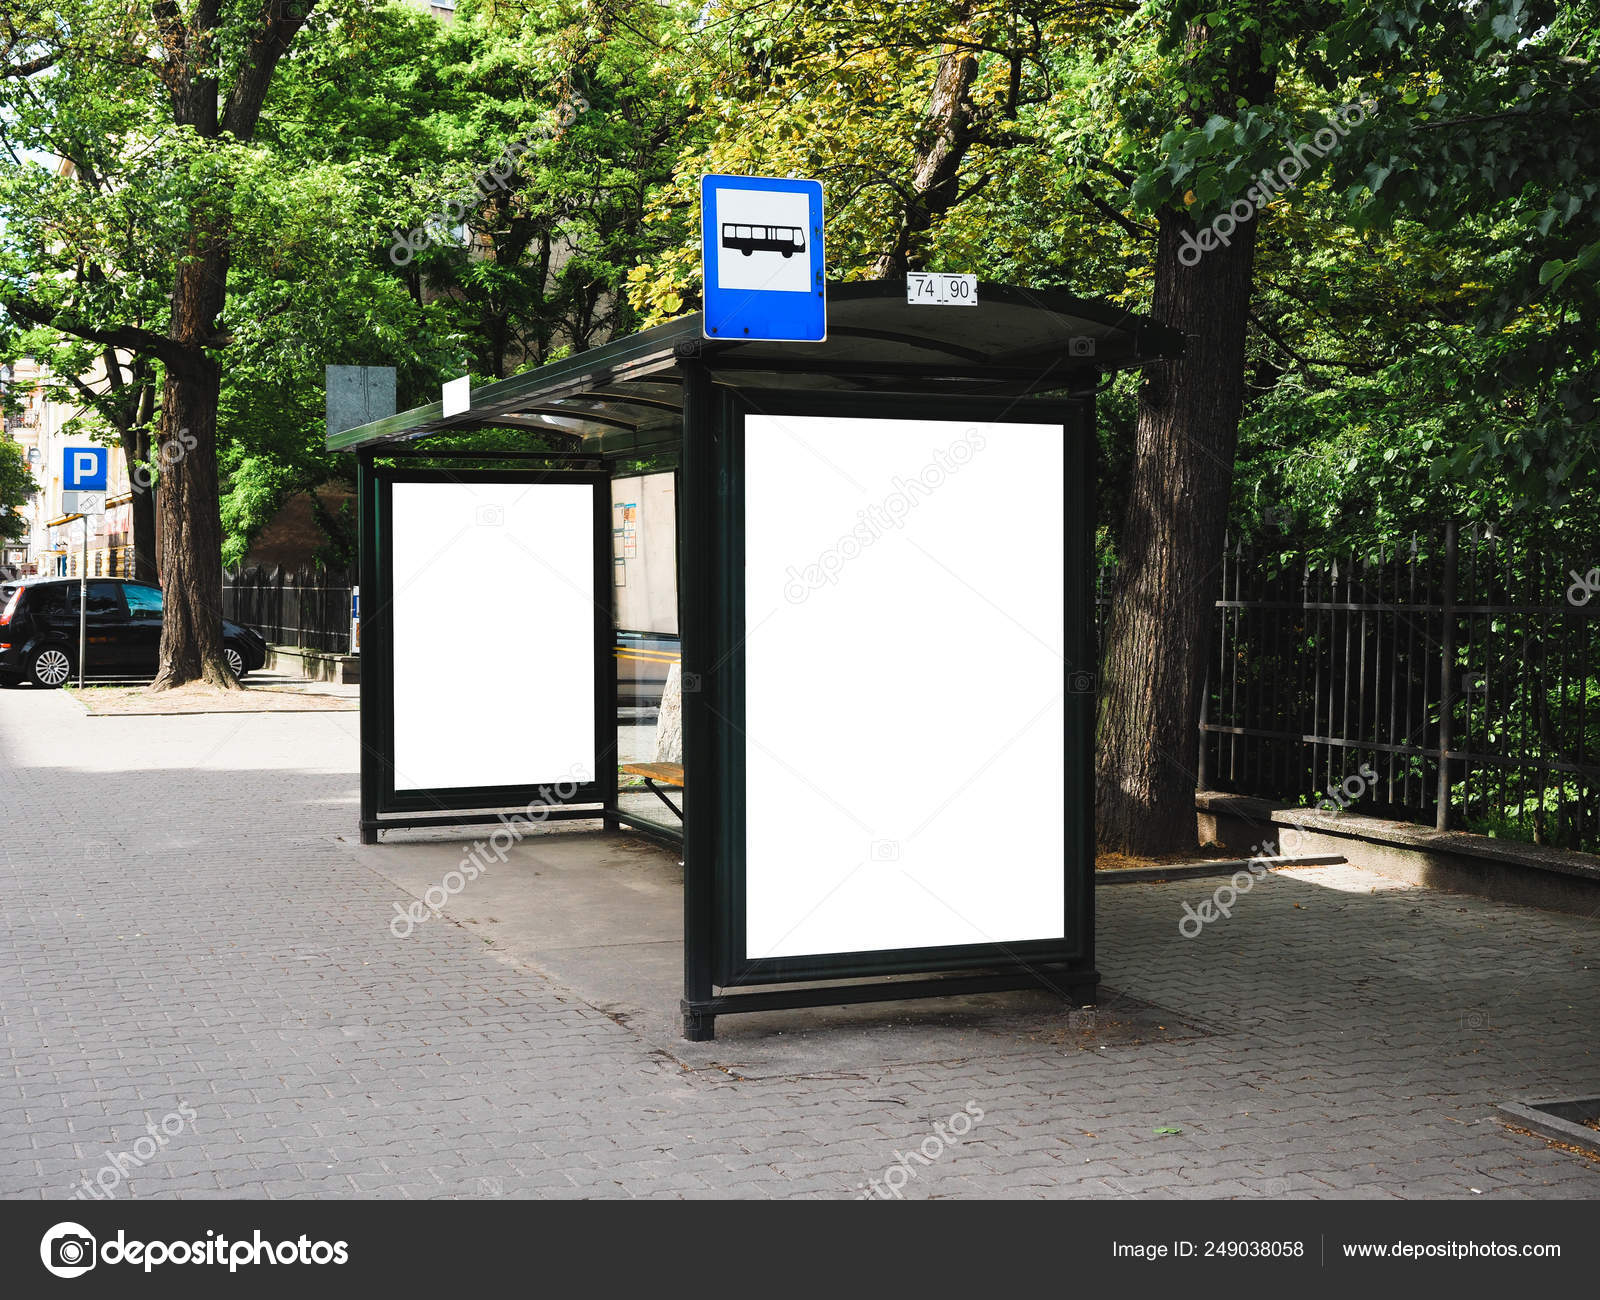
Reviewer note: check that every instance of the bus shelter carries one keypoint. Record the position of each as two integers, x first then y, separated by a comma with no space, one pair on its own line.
886,604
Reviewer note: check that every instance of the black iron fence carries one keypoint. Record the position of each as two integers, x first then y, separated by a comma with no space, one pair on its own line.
1450,680
310,609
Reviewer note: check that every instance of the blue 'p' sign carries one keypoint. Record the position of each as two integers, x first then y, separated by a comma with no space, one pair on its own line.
84,469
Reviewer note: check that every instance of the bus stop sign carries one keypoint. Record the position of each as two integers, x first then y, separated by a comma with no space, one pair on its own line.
761,258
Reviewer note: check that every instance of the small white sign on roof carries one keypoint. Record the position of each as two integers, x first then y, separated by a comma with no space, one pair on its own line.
456,394
941,289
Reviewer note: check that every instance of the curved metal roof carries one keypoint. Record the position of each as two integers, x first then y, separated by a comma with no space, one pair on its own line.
628,393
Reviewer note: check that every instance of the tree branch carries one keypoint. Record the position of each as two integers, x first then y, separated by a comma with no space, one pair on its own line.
281,19
1105,209
135,339
1305,362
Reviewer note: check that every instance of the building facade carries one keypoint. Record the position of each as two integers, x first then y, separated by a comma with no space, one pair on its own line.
54,543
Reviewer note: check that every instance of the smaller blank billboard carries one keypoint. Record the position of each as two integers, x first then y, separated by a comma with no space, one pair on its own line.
493,620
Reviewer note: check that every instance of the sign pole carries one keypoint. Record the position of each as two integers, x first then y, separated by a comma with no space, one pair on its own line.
84,471
83,601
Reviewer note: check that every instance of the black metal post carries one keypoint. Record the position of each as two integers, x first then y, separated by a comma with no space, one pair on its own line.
605,660
1447,677
698,504
372,688
1080,580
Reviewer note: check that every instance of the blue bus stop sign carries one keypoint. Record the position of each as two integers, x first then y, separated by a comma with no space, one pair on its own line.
761,257
83,469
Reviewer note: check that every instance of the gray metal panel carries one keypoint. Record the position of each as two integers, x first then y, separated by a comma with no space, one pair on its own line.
358,395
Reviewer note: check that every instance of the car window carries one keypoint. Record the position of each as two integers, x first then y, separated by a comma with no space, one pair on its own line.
142,599
105,600
52,598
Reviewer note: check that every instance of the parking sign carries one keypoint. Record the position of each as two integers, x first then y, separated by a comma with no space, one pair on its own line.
83,469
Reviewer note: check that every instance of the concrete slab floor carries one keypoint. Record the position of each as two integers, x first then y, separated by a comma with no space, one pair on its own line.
603,915
185,917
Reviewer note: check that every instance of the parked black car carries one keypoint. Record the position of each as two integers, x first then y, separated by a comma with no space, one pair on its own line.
39,632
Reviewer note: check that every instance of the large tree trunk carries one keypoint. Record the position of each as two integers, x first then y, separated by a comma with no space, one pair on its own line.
145,567
946,135
1171,547
136,453
189,504
135,437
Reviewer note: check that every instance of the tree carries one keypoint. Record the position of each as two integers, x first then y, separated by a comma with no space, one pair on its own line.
509,155
533,264
918,118
1182,475
16,486
191,82
216,77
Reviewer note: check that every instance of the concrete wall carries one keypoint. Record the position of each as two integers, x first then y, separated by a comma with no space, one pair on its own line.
1507,870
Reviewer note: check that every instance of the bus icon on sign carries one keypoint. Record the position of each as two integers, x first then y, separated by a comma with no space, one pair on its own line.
787,240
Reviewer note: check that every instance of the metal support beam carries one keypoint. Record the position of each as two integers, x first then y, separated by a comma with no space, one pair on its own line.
698,511
371,741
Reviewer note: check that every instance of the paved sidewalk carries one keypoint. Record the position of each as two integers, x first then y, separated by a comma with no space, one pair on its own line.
191,939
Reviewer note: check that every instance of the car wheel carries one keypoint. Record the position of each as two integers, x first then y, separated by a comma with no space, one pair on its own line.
235,662
50,667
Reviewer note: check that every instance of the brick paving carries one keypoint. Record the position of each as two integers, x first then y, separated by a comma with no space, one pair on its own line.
184,923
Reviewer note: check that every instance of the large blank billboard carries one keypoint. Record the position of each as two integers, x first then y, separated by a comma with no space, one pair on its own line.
904,642
493,621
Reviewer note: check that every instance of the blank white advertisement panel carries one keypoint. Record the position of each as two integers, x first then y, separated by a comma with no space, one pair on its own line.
494,634
904,606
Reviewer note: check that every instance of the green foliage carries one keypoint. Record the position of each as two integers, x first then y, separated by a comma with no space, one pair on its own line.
376,117
16,486
842,93
1422,337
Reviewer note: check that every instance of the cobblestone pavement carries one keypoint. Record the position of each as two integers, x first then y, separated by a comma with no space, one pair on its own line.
187,941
